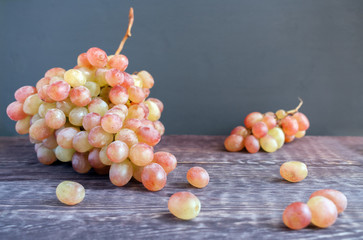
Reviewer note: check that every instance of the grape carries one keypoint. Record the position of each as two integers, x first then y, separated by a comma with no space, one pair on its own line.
253,118
70,193
43,94
22,126
293,171
77,114
82,61
268,144
114,77
117,151
59,91
240,130
198,177
22,93
280,114
121,173
103,156
127,136
100,77
153,177
75,78
147,79
323,211
136,94
117,112
148,135
300,134
234,143
88,73
50,142
53,72
302,121
137,172
118,61
103,171
138,112
15,111
278,135
66,106
55,118
39,130
91,120
97,105
270,121
338,198
97,57
297,216
31,104
289,138
290,126
44,107
166,160
80,142
121,107
64,154
132,124
128,81
80,162
259,129
35,118
141,154
111,123
184,205
42,82
56,79
99,138
118,95
94,158
137,81
37,146
147,123
46,155
65,137
159,126
94,88
154,111
80,96
252,144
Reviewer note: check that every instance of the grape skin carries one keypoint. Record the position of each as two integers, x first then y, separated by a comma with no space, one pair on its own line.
15,111
80,96
121,173
22,126
323,211
117,151
259,129
59,91
290,126
118,61
153,177
184,205
234,143
94,158
148,135
127,136
147,79
31,104
268,144
198,177
80,142
97,57
252,144
166,160
46,155
55,72
111,123
297,216
99,138
338,198
22,93
252,118
154,111
63,154
141,154
302,120
55,118
65,137
39,130
80,162
70,193
91,120
293,171
240,130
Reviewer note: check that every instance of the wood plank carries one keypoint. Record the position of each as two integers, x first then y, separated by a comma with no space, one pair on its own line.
244,199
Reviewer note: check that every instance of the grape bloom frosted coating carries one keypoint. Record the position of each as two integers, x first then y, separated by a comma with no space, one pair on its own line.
184,205
70,193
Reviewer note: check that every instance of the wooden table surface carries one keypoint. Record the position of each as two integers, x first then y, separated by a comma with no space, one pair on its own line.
244,199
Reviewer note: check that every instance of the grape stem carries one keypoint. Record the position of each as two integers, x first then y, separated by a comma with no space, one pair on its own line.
128,32
297,108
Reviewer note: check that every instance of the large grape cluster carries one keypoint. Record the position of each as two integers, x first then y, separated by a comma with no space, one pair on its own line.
268,131
98,116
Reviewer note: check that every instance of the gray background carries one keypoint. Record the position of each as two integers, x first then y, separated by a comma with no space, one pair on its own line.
213,61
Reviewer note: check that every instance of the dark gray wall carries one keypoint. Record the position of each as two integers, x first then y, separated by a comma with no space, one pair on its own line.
213,61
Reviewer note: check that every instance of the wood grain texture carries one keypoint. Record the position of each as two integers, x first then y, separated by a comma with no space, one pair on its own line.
244,199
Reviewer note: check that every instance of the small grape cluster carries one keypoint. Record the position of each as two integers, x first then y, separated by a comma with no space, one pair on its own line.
97,116
268,131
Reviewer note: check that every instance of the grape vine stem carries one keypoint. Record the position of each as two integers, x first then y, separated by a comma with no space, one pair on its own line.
128,32
297,108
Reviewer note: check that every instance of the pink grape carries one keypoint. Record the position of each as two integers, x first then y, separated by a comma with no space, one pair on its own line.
118,95
50,142
42,82
70,193
46,155
148,135
65,137
297,216
55,118
91,120
114,77
137,172
22,93
270,121
39,130
166,160
252,118
240,130
94,158
141,154
80,96
147,79
158,103
99,106
159,126
252,144
136,94
55,72
76,115
198,177
138,112
338,198
119,62
43,94
290,126
99,138
121,173
128,81
22,126
302,121
15,111
153,177
97,57
59,91
234,143
117,151
66,106
184,205
293,171
132,124
127,136
111,123
82,61
80,142
259,129
80,162
323,211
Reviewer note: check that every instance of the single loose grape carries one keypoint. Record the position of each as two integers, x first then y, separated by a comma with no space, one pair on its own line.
234,143
198,177
70,193
184,205
297,216
324,213
293,171
337,197
153,177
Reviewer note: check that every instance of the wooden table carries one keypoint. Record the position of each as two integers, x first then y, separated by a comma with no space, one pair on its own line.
244,199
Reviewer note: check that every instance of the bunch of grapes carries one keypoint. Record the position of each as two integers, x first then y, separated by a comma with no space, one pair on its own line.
268,131
96,115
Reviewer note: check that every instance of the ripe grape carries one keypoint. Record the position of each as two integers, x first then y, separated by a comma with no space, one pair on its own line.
59,90
154,111
94,88
158,103
65,137
289,138
31,104
64,154
268,144
302,120
46,155
114,77
184,205
99,138
76,115
80,162
111,123
252,144
132,123
146,78
198,177
42,82
323,211
50,142
75,78
89,74
137,112
128,81
148,135
44,107
55,72
137,172
259,129
117,151
234,143
80,142
15,111
97,105
338,198
22,93
153,177
118,61
39,130
121,173
293,171
240,130
290,126
100,76
127,136
137,81
297,216
136,94
43,94
22,126
159,126
80,96
280,114
141,154
253,118
70,193
91,120
118,95
97,57
94,158
270,121
166,160
300,134
278,135
82,61
66,106
55,118
103,156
